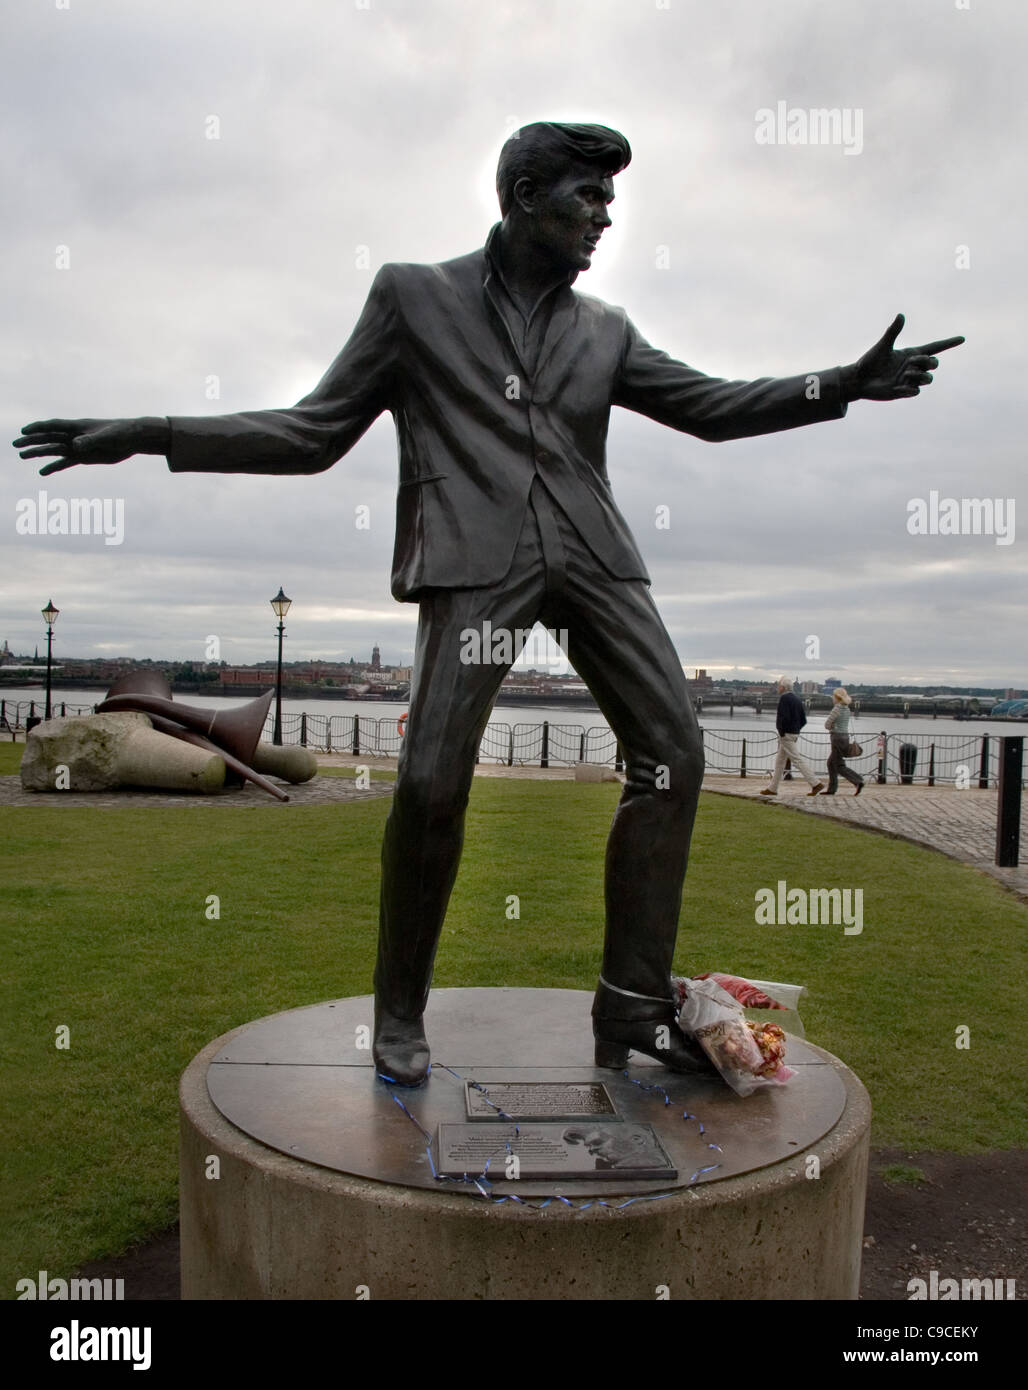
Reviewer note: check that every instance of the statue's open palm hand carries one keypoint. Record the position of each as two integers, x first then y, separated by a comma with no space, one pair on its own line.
78,441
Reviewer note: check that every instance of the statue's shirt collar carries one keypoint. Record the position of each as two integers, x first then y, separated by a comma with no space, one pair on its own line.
494,265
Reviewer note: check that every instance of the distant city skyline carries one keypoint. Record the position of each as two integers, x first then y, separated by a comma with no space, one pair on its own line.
807,684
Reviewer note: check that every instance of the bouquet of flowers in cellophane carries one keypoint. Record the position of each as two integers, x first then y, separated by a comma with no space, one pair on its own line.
749,1055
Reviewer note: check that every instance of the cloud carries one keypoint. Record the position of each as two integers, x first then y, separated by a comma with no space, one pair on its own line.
215,274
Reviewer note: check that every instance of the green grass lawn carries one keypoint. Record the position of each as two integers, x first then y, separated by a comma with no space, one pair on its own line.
107,932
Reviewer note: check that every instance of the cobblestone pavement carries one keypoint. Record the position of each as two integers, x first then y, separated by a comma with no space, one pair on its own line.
527,773
960,824
323,791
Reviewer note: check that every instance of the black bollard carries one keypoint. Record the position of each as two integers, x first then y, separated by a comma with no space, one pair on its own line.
983,769
303,731
931,766
356,735
544,761
742,769
908,762
1008,820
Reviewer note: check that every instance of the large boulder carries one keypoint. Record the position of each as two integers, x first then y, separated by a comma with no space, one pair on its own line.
96,752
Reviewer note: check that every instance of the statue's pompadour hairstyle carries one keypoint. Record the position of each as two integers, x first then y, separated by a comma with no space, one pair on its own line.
544,150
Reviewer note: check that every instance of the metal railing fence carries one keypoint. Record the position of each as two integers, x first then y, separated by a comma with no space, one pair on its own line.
963,759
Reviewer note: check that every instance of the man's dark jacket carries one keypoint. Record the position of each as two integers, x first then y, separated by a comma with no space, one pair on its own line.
474,426
791,716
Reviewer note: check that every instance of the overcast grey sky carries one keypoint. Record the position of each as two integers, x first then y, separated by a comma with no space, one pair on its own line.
349,134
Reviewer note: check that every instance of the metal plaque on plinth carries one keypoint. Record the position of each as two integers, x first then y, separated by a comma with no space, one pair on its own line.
539,1100
552,1151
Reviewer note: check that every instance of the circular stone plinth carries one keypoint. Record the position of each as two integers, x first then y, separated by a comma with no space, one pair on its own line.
323,1184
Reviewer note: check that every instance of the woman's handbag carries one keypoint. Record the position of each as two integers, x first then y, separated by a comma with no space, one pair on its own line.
855,749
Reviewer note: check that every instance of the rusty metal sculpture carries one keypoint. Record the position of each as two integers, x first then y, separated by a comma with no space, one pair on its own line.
232,734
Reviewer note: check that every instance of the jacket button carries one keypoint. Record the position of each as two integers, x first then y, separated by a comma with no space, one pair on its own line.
542,456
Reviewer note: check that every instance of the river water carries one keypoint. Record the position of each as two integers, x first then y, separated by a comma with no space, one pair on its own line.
867,726
948,750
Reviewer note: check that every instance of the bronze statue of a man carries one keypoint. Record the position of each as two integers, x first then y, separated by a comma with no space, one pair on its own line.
500,378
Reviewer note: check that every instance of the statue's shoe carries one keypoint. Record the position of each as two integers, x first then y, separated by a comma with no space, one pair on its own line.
400,1049
659,1038
623,1023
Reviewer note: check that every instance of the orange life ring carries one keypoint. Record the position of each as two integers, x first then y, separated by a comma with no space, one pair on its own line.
400,723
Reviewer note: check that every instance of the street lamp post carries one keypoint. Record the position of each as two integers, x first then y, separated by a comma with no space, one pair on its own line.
50,614
281,606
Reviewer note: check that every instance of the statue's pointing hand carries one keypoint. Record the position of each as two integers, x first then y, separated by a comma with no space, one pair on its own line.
91,441
888,373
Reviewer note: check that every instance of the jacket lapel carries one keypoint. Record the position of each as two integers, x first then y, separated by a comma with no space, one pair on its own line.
501,319
562,316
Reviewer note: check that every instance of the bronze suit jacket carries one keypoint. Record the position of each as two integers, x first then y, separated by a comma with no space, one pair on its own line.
474,426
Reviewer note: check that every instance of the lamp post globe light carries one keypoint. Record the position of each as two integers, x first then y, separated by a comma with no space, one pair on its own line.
281,606
50,614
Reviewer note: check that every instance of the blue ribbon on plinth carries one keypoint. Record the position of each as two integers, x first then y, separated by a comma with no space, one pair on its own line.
475,1086
654,1087
392,1081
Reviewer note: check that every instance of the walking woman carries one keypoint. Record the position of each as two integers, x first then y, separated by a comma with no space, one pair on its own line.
838,725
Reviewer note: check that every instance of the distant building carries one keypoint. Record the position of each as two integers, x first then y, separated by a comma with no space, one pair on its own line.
244,675
1009,709
831,685
376,659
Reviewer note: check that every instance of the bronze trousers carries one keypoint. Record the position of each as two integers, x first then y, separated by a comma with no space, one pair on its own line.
619,646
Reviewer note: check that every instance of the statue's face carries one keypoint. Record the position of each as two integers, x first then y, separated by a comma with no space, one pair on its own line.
569,217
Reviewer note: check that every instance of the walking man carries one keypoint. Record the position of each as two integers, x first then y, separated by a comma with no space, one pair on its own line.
789,721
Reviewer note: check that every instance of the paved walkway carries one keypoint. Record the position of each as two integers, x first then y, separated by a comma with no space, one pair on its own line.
960,824
323,791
